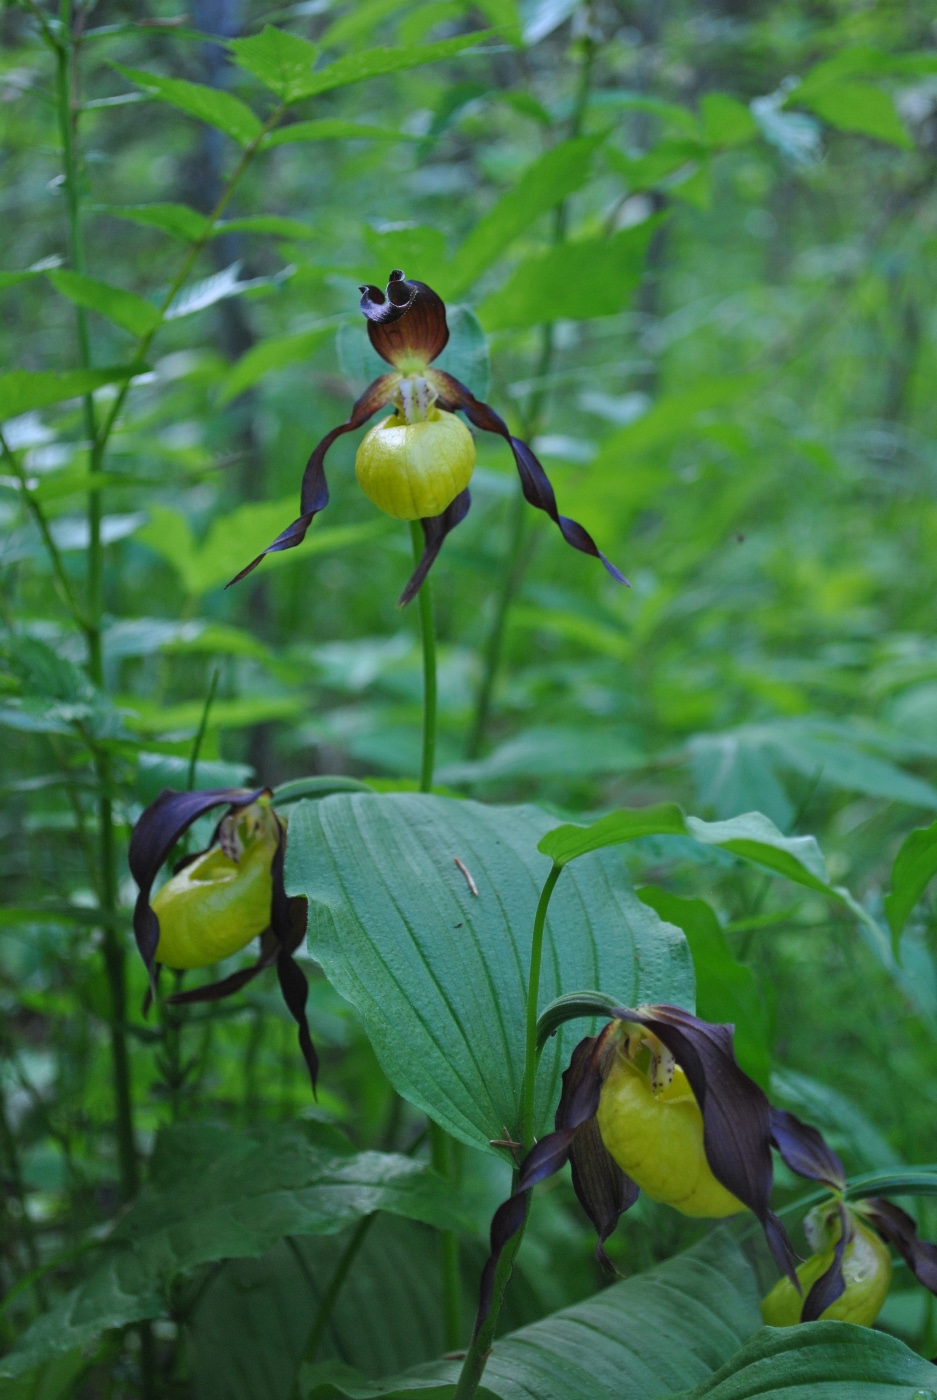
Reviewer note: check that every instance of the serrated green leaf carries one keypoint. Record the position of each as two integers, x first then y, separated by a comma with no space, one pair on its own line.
282,61
221,1194
914,868
377,63
176,219
126,309
331,129
579,280
645,1337
273,354
542,186
22,390
816,1360
213,106
439,974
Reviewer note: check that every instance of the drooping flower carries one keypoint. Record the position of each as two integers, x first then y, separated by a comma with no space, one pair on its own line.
657,1102
416,464
217,901
846,1279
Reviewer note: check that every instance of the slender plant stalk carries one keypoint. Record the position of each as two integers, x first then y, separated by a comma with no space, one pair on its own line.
477,1354
334,1288
200,735
515,563
533,998
428,640
439,1140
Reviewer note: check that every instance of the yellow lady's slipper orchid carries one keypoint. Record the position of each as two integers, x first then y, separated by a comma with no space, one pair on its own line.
411,469
866,1274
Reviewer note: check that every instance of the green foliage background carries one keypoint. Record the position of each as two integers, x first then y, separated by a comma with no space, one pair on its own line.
701,240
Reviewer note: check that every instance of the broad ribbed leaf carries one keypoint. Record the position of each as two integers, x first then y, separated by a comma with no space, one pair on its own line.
645,1338
439,974
126,309
542,186
914,868
282,61
23,390
221,1194
583,279
821,1361
207,104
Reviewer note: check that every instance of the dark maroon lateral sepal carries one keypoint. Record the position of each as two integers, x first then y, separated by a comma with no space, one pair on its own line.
534,481
435,530
314,492
805,1151
406,323
603,1189
157,830
896,1227
831,1284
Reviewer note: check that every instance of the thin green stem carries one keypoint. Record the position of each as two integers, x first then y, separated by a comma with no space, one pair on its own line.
477,1354
533,998
200,735
334,1288
442,1152
428,640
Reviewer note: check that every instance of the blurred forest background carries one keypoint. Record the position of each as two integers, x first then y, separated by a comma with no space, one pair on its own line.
712,312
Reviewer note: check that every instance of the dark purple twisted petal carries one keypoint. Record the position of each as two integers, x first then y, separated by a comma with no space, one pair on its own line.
602,1188
288,924
897,1228
227,986
406,324
156,832
314,492
736,1114
435,530
805,1151
831,1284
534,481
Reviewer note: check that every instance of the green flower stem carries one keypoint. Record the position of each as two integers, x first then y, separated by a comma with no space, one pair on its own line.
477,1354
533,997
428,639
442,1147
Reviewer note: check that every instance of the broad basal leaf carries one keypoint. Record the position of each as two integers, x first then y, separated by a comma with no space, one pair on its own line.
220,1194
282,61
820,1361
542,186
211,105
125,308
639,1340
587,278
438,973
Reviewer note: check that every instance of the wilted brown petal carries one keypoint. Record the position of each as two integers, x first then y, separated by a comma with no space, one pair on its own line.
805,1151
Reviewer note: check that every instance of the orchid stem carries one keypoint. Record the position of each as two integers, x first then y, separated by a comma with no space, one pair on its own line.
334,1288
442,1147
533,1000
428,640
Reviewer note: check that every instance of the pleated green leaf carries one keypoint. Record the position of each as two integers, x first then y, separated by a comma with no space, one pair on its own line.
439,974
821,1361
645,1338
282,61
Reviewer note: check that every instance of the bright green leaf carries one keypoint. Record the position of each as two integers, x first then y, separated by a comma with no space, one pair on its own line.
283,62
914,868
859,107
726,121
542,186
264,223
437,973
376,63
726,990
579,280
213,106
331,129
176,219
126,309
270,355
22,390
